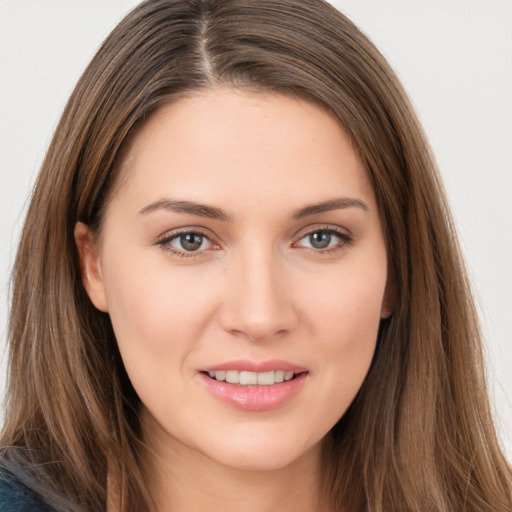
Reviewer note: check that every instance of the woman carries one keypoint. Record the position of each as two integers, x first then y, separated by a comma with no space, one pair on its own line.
238,283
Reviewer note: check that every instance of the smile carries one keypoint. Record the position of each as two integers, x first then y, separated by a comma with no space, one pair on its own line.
254,386
246,378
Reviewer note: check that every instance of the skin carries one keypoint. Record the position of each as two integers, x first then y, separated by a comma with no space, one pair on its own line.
256,289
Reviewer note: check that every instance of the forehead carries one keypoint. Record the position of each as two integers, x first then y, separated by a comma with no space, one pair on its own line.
222,143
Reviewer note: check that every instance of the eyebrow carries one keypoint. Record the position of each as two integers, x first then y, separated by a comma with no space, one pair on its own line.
191,207
332,204
211,212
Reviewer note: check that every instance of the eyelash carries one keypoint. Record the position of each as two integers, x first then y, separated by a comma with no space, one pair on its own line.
345,240
165,242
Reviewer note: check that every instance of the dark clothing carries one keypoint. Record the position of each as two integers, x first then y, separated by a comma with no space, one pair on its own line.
15,497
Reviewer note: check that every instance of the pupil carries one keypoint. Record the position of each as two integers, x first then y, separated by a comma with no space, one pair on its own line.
191,241
320,240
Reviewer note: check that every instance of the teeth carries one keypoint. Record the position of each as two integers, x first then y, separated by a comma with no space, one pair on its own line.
233,377
220,375
251,378
266,378
247,378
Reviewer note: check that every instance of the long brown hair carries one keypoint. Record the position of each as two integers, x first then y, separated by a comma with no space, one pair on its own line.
419,436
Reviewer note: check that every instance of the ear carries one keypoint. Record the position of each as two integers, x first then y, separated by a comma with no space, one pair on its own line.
90,265
388,302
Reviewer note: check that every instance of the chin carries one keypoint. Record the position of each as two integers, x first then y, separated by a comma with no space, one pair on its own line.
262,454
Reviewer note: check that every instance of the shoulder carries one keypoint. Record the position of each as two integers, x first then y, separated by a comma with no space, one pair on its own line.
15,497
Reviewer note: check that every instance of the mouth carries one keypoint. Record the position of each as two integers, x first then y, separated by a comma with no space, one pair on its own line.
248,378
252,386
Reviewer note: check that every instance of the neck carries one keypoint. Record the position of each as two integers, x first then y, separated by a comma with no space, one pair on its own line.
181,479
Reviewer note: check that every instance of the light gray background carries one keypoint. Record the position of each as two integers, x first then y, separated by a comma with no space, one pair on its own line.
453,56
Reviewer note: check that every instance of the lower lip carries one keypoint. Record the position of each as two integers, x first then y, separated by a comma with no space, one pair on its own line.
255,398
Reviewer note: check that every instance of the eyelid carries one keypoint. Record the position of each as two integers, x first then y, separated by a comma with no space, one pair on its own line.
164,241
313,228
345,237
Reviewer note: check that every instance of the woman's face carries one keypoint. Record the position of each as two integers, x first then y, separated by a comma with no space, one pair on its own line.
241,248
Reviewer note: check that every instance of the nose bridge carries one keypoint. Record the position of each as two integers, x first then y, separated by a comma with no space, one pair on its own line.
260,305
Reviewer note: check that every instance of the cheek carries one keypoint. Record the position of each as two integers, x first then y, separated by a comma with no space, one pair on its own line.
158,317
346,303
155,312
348,330
346,318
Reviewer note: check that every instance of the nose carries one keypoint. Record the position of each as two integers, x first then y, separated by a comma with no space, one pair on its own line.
259,305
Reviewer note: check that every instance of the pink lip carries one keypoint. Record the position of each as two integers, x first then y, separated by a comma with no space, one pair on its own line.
247,365
254,398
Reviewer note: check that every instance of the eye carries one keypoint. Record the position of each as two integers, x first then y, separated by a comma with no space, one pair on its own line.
189,242
186,243
320,239
324,240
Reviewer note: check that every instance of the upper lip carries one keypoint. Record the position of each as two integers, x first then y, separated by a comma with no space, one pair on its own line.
248,365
